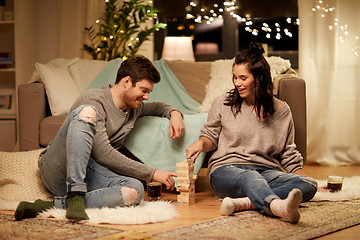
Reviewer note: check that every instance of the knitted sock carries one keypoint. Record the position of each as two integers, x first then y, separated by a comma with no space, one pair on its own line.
31,210
76,208
129,195
288,208
231,205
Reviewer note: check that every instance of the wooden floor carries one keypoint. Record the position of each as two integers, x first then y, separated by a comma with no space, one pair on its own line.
207,205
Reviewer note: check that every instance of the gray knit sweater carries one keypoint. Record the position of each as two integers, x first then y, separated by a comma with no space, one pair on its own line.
113,126
247,141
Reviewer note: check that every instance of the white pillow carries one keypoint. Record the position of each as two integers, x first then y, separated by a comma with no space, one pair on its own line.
221,78
56,62
219,83
60,88
84,71
278,65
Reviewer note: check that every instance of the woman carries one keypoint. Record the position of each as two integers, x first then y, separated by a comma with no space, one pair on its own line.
255,163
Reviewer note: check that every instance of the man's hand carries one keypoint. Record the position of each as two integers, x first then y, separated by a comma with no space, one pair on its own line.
165,178
176,125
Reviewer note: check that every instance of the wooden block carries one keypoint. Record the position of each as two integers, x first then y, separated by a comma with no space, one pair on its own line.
186,187
184,172
185,176
185,181
187,194
186,184
184,167
189,162
186,199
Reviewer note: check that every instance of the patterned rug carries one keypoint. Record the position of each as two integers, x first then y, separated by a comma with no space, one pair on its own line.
317,219
49,229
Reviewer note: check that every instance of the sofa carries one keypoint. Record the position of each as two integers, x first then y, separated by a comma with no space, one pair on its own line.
37,125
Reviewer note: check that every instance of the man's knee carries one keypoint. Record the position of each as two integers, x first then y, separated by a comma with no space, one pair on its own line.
88,114
130,196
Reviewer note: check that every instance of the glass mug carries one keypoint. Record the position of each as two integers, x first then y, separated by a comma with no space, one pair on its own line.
154,190
334,183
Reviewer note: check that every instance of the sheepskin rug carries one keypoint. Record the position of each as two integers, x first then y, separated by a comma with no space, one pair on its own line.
350,190
146,212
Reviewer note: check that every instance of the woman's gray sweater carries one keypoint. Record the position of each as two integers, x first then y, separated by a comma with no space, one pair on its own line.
246,140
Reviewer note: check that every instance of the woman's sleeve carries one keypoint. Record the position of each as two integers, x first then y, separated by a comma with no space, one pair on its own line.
290,158
212,127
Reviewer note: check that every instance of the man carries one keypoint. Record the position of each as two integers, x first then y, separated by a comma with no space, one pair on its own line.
83,167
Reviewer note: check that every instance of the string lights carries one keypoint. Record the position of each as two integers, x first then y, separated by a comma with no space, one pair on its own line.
323,8
208,14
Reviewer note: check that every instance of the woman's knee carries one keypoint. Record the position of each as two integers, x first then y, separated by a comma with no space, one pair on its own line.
309,187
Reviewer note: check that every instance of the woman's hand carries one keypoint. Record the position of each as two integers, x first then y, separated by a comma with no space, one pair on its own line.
165,177
193,151
324,189
176,125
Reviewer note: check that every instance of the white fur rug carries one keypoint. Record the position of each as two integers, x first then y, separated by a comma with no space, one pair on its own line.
146,212
350,190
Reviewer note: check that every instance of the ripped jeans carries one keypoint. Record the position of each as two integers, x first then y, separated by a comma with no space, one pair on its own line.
67,166
260,185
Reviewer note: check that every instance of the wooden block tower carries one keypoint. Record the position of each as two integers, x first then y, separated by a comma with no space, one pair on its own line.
186,182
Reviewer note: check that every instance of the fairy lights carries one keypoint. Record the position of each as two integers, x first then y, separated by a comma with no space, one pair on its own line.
324,9
208,14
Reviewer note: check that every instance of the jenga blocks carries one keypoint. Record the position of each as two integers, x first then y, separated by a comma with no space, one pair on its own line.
186,182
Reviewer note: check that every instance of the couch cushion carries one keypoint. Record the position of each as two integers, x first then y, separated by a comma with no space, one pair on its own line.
49,127
194,76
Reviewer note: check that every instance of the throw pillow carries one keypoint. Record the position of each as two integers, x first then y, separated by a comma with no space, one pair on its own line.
20,177
219,83
84,71
221,78
56,62
60,88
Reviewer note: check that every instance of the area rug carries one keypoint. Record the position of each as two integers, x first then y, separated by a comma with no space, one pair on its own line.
49,229
317,219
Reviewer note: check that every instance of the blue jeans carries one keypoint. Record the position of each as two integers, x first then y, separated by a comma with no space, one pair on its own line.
67,166
260,185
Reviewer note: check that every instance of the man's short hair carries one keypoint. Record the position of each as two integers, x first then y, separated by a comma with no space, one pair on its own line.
138,68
